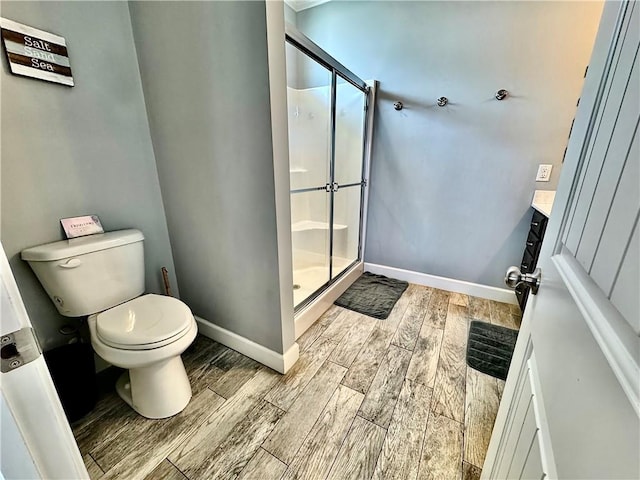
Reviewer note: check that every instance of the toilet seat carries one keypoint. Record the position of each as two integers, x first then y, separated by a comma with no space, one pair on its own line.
144,323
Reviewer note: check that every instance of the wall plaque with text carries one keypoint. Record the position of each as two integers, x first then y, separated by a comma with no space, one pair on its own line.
35,53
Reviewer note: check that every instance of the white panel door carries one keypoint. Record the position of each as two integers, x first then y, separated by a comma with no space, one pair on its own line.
571,405
36,439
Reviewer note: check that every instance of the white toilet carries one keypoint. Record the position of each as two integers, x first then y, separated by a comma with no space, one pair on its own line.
102,276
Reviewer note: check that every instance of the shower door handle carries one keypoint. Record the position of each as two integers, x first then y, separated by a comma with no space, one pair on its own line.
335,187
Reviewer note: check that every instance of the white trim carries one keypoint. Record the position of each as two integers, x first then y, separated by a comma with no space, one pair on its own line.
503,424
280,362
544,437
443,283
619,344
306,317
281,180
290,357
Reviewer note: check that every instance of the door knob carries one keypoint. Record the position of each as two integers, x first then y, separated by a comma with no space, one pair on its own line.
515,277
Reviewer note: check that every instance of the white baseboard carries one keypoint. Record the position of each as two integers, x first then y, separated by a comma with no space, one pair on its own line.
443,283
306,317
280,362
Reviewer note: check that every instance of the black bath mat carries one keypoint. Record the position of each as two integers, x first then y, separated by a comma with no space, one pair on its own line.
490,348
372,295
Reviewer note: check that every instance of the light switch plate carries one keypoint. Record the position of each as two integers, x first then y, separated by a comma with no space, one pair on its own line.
544,173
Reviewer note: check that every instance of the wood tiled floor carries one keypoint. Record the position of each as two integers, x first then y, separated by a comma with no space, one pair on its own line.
380,399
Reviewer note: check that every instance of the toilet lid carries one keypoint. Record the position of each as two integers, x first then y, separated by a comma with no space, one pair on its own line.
144,320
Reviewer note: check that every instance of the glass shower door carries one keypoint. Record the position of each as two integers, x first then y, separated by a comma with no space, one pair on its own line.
327,111
350,113
309,103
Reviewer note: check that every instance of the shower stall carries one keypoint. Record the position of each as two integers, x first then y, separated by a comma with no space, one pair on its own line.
329,119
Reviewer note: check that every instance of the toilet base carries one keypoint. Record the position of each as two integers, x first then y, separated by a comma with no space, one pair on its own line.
159,390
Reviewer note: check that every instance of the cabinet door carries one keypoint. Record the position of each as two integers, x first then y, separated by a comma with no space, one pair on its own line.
538,224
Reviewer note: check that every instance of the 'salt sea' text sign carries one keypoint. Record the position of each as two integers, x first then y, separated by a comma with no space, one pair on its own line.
34,53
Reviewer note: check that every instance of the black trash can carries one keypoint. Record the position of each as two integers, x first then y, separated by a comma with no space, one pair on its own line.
74,374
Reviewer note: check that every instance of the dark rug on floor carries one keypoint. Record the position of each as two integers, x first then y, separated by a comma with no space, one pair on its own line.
372,295
490,348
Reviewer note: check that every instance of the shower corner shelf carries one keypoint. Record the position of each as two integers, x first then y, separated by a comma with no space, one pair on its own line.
298,170
306,225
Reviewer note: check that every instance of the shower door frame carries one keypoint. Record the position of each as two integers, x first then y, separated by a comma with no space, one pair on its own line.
308,47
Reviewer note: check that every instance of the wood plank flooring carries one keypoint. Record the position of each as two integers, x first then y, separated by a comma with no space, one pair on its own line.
368,399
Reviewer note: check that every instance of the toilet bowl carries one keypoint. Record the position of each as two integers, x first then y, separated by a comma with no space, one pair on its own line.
146,336
102,276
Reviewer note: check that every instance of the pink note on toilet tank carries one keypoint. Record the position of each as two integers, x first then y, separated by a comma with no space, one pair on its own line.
81,226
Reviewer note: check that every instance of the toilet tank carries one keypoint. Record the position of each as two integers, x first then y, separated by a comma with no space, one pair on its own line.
90,274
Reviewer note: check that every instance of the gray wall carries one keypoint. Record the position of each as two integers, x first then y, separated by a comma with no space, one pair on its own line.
290,14
205,76
451,187
76,151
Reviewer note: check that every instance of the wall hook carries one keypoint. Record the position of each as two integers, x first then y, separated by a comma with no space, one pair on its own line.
501,94
398,106
442,101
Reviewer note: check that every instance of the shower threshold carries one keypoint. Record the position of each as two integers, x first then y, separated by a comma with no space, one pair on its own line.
308,314
309,279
